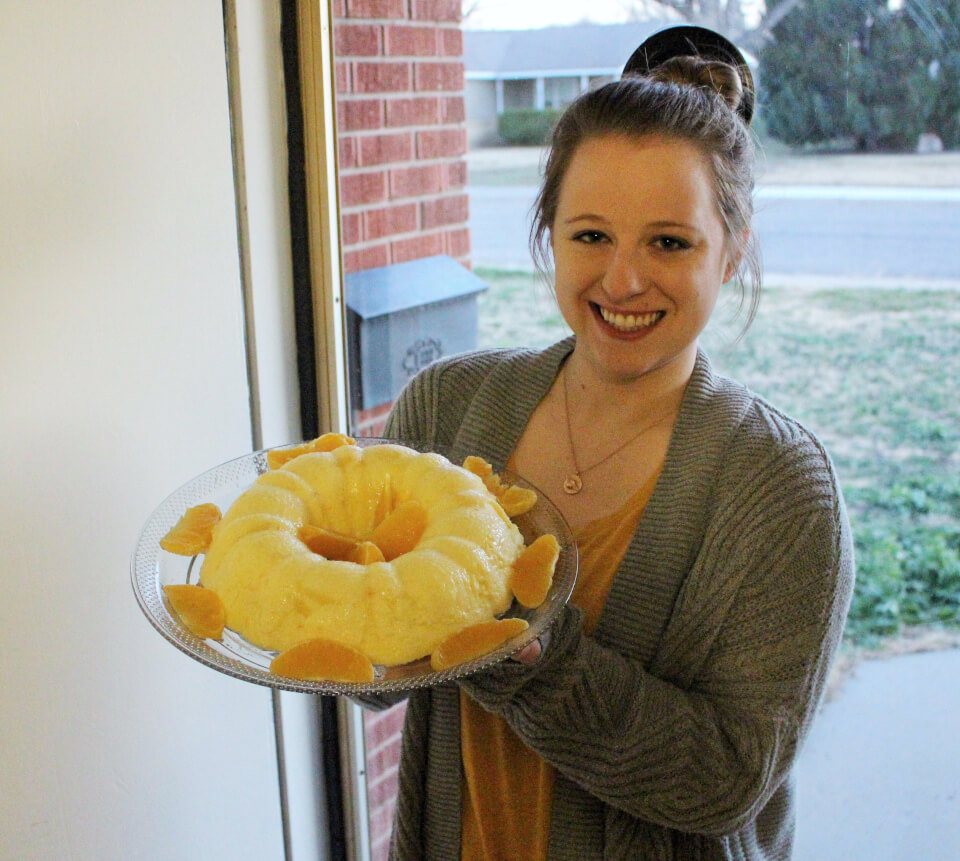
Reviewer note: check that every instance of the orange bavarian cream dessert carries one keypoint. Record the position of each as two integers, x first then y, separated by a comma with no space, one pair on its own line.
384,550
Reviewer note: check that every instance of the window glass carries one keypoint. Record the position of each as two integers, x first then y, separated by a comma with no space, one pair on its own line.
858,217
857,335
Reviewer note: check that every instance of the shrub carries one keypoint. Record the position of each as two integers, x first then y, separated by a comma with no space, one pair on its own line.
878,596
908,557
526,126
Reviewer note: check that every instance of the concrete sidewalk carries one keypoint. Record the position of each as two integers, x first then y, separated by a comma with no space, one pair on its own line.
879,779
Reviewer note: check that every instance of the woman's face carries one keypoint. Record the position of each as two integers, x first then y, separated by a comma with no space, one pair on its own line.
640,252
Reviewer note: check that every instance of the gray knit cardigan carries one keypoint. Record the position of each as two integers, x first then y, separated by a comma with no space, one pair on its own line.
675,726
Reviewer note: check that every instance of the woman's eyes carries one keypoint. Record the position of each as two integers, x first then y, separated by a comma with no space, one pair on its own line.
671,243
589,237
664,243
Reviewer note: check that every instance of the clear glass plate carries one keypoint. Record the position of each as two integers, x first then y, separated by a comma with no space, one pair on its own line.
153,568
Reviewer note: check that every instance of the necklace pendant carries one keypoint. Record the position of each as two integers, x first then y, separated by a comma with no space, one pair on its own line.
572,484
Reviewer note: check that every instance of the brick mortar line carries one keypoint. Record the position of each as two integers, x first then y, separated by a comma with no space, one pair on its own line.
406,201
427,162
417,231
350,172
398,130
389,771
367,245
439,127
396,95
403,22
390,238
348,208
433,59
381,839
399,94
387,241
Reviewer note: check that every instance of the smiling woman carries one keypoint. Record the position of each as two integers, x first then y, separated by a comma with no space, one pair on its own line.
661,716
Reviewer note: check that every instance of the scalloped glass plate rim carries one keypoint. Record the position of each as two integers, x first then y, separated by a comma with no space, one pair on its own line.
152,568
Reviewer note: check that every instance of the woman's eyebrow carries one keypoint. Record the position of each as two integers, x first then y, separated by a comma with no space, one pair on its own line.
655,225
586,216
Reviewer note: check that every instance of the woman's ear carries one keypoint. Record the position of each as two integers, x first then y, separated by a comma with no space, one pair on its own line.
733,264
735,256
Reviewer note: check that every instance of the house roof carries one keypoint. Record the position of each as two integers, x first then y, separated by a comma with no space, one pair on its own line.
580,49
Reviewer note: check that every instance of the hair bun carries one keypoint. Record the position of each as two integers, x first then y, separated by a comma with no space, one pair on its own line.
699,43
715,75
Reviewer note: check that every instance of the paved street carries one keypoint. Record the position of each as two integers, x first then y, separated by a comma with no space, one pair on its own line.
847,231
887,233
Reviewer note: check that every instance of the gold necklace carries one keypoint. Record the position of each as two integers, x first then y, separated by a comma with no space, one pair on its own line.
573,483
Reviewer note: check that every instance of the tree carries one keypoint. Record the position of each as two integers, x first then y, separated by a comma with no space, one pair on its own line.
726,16
863,71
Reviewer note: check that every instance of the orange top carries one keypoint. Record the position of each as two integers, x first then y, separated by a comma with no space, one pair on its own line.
507,788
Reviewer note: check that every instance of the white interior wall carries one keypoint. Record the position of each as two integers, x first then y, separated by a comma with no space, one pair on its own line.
123,375
262,124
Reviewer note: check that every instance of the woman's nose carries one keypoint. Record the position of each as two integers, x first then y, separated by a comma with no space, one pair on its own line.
623,277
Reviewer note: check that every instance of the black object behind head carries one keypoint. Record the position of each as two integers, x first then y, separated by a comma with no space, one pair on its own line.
687,40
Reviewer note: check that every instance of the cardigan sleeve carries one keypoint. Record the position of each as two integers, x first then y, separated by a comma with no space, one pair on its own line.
699,740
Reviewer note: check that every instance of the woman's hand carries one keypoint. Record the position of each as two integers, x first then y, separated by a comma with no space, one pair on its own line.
531,653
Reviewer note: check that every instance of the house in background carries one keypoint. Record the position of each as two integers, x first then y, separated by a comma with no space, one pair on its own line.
544,68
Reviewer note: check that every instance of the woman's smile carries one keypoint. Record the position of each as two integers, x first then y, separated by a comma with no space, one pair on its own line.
628,323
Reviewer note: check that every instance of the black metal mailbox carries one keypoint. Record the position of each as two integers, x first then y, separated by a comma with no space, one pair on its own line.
400,318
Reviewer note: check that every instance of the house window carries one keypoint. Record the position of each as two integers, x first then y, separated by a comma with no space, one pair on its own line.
519,93
559,92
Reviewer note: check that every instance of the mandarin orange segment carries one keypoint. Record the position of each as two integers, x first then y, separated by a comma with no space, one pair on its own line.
517,500
514,500
326,442
278,457
327,543
330,441
493,483
478,466
474,641
323,660
192,533
200,610
400,531
366,553
483,470
533,571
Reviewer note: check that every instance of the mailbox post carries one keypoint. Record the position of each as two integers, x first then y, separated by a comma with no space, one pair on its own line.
400,318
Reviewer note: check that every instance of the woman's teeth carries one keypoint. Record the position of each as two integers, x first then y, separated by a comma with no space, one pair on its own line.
630,322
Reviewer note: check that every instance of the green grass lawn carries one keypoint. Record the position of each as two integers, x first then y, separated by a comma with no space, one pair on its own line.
873,372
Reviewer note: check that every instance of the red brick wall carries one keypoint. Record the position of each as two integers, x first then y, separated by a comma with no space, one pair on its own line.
401,129
382,735
402,140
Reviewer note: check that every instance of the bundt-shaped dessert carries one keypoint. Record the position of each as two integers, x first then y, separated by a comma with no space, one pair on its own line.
382,549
